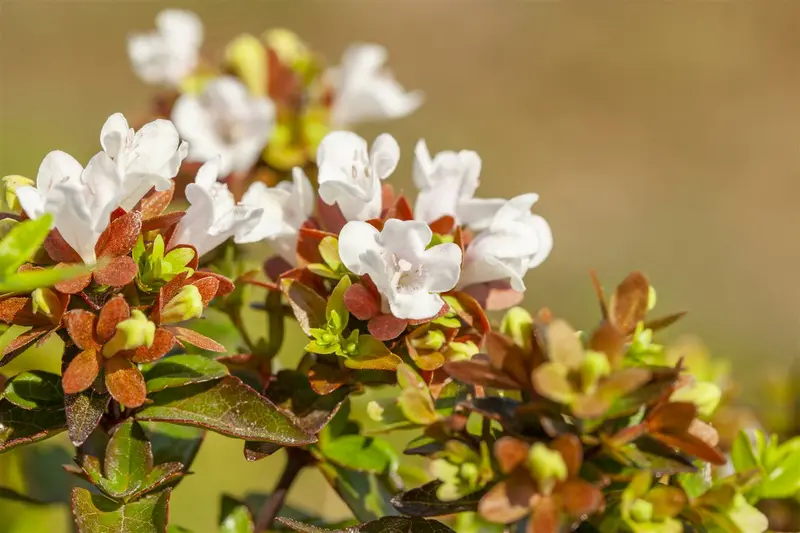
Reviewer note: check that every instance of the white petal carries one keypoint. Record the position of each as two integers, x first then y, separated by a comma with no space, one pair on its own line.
194,124
57,167
434,202
471,167
271,223
180,26
113,134
477,213
384,155
31,201
406,238
442,267
514,209
423,165
486,268
102,191
154,145
73,220
208,174
337,151
545,239
415,306
303,192
355,239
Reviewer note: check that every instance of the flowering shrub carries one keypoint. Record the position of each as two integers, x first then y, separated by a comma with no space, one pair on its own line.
525,423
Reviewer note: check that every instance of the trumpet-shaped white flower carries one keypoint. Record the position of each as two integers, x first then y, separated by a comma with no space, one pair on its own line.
213,216
225,120
408,276
80,200
515,241
445,182
350,175
148,158
169,53
365,91
285,208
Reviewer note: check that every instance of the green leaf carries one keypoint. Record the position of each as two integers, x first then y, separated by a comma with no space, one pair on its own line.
84,411
367,495
180,370
172,443
95,513
235,517
308,306
19,426
34,390
357,452
128,460
784,480
329,250
389,524
423,501
22,242
177,529
694,483
417,406
12,495
336,307
228,407
33,279
742,453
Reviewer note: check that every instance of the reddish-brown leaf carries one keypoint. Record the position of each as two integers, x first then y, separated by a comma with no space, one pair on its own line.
308,241
510,453
113,312
508,501
125,382
325,379
601,295
73,285
704,432
387,195
82,371
80,326
628,304
162,222
22,343
443,225
610,340
118,273
546,517
18,310
196,339
166,293
154,202
330,217
580,497
460,238
386,327
480,372
225,285
360,302
693,446
120,235
276,266
163,341
571,449
400,210
508,357
664,321
671,417
473,314
58,249
495,295
207,285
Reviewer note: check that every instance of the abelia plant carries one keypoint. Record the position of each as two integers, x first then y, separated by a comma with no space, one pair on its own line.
525,423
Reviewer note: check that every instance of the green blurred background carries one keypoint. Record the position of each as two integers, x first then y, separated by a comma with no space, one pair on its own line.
660,136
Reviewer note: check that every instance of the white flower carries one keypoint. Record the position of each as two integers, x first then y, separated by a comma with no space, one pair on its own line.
350,176
515,241
148,158
169,53
213,216
365,91
225,120
286,208
446,182
80,200
408,275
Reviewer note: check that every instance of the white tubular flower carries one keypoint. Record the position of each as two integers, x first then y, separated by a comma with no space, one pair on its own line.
366,91
350,176
213,216
225,120
409,276
80,200
515,241
168,54
444,182
285,208
148,158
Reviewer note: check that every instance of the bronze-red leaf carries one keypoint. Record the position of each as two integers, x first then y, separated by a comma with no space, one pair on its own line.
162,222
480,372
386,327
125,382
22,343
118,273
58,249
207,286
80,326
628,304
73,285
82,371
443,225
360,302
197,339
163,341
113,312
18,310
154,203
120,235
510,453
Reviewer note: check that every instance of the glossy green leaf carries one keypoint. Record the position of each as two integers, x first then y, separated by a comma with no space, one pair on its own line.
228,407
357,452
335,311
329,250
235,517
172,443
95,513
308,306
22,241
180,370
784,480
128,459
34,390
33,279
742,453
367,495
389,524
19,426
417,406
423,501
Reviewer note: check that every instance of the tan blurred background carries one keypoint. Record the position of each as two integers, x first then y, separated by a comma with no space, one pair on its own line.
661,136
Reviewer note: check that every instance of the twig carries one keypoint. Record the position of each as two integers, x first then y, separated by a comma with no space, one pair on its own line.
297,459
236,318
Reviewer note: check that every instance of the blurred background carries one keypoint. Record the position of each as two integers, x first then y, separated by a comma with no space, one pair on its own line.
660,136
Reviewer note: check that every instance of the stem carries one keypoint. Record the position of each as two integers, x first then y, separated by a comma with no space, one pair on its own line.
236,317
297,459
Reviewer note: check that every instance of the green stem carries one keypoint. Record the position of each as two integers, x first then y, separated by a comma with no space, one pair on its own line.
297,459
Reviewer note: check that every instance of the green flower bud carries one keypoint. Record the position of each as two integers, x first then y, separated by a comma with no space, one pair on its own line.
375,411
11,184
651,298
130,334
461,351
185,305
641,511
594,367
704,395
433,340
518,324
547,466
44,301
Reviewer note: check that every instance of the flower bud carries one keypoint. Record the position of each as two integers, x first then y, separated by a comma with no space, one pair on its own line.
375,411
185,305
704,395
595,366
433,340
461,351
651,298
641,511
11,184
44,301
518,324
130,334
547,466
